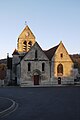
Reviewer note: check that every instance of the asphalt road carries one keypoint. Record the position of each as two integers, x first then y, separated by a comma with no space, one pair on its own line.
55,103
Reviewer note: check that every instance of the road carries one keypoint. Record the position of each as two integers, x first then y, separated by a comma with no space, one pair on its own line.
50,103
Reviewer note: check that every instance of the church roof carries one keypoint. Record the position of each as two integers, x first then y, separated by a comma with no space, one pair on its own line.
15,52
50,53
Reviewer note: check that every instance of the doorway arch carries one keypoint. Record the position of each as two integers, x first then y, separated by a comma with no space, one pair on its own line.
36,77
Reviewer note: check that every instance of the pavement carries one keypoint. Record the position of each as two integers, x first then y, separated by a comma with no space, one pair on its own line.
43,103
6,106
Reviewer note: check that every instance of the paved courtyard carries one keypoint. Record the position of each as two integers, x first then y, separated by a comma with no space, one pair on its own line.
49,103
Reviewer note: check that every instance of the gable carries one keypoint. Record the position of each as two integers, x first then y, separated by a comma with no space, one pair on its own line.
25,40
61,54
26,33
31,54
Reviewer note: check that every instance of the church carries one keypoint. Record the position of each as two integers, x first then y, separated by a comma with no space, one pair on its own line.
31,65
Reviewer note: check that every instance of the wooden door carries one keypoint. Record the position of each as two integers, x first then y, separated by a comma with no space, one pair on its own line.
36,79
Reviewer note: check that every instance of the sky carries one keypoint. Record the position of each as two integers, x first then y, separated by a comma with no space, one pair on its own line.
51,21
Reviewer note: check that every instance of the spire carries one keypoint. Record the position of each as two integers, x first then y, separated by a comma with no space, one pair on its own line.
25,23
61,42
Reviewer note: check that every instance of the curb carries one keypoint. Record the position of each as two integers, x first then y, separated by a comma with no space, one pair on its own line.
9,109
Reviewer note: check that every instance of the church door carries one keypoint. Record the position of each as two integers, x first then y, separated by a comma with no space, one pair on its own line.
36,79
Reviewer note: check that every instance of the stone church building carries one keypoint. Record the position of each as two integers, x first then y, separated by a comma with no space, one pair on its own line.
31,65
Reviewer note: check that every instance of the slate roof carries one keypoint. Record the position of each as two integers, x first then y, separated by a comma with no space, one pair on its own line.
50,53
15,52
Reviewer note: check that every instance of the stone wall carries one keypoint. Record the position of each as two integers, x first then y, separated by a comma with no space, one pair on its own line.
65,60
1,82
36,66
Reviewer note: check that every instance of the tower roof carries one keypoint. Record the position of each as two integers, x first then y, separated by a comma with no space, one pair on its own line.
26,29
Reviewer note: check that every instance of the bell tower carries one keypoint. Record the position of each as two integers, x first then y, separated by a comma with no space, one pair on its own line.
25,40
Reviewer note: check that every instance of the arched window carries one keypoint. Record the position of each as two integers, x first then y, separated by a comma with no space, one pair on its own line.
36,54
29,66
29,44
43,66
24,46
60,69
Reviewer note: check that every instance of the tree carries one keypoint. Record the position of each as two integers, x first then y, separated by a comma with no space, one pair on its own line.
2,71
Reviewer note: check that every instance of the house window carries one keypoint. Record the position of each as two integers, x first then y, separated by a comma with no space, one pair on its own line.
43,66
61,55
29,66
36,54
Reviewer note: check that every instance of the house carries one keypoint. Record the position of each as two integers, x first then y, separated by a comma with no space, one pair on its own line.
33,66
